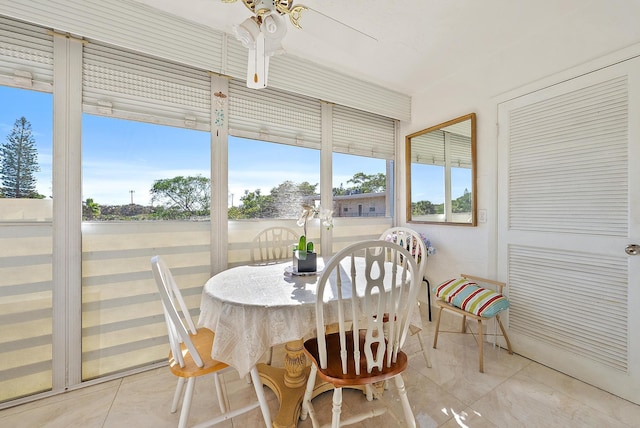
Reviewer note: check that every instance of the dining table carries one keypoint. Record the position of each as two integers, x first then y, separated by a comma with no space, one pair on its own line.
252,308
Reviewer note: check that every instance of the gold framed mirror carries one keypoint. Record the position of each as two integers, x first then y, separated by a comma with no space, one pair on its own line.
441,173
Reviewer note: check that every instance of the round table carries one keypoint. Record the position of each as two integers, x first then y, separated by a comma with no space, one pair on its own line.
252,308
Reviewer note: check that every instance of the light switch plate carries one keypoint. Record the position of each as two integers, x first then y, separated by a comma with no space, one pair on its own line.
482,216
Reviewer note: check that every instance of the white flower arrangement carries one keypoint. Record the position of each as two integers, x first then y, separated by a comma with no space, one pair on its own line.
427,243
309,212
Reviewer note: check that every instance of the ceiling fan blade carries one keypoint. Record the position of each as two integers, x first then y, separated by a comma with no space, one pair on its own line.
336,33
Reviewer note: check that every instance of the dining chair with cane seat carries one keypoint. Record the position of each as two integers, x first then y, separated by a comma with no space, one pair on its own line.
356,290
412,241
190,355
273,245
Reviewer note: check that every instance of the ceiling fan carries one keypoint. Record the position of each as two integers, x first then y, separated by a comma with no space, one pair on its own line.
262,34
265,7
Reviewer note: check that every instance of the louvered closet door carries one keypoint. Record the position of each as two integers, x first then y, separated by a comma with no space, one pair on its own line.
569,204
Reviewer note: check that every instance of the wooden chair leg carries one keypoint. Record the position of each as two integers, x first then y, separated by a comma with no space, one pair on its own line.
337,408
463,329
368,392
406,406
222,399
480,341
435,338
264,407
504,334
177,395
186,403
424,351
307,407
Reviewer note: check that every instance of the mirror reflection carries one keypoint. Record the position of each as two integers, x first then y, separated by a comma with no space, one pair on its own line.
441,173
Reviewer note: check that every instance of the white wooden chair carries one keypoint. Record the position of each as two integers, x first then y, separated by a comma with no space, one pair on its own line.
190,355
363,350
412,241
273,245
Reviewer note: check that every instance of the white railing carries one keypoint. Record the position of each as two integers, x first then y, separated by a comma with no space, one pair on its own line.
122,321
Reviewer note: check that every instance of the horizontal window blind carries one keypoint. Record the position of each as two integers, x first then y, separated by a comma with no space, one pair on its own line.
129,24
450,145
142,28
122,322
360,133
128,85
26,55
272,115
26,299
296,75
460,151
568,162
429,149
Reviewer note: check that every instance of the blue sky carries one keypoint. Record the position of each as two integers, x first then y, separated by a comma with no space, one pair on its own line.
122,156
37,107
434,176
119,156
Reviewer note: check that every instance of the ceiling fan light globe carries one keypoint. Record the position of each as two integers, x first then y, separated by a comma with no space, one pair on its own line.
247,33
270,24
274,28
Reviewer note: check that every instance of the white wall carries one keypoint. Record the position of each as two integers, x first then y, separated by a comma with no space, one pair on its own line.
598,34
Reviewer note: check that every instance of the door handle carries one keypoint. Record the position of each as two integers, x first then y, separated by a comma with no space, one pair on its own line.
632,249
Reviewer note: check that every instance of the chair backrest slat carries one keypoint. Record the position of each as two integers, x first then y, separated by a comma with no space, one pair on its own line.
412,241
273,244
361,282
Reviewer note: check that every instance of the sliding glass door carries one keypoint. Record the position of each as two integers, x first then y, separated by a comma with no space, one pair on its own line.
26,285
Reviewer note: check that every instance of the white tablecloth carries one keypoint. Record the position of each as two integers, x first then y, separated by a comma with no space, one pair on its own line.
251,308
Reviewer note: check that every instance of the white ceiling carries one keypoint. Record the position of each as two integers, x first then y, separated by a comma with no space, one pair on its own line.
409,45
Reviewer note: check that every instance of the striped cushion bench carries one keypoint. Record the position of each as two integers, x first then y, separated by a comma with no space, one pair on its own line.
470,297
465,297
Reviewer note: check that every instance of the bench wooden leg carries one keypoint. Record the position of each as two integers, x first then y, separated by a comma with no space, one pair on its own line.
435,338
464,329
504,334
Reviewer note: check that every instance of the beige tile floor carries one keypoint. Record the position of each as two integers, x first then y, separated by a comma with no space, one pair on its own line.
513,392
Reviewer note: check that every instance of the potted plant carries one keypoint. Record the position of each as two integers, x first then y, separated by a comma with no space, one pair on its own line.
304,257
